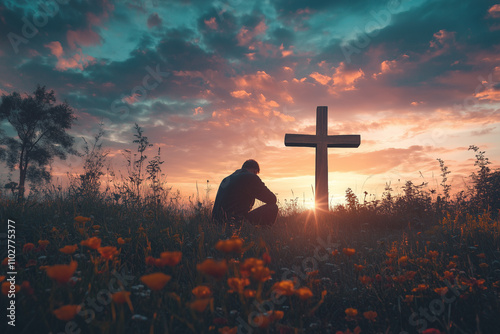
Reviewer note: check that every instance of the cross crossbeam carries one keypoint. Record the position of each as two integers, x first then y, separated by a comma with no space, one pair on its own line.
322,141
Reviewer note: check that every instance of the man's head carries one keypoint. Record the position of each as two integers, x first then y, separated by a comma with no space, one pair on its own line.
252,166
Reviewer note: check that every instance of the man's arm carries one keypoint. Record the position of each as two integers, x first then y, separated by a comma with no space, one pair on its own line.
262,193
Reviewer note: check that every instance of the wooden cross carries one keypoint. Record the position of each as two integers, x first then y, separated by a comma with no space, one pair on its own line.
322,141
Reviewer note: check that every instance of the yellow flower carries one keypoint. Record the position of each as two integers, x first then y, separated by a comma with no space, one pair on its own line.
202,292
68,249
216,269
66,312
62,272
155,281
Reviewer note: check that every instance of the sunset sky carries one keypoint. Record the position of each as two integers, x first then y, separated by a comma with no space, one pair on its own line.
214,83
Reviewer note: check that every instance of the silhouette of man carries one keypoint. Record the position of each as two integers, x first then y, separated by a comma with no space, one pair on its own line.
237,193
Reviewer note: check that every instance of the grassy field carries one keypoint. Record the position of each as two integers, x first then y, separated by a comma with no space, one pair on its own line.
122,255
88,266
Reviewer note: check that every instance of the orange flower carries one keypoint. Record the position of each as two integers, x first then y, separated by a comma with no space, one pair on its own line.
155,281
250,263
304,293
228,330
237,284
210,267
441,291
96,227
121,297
43,243
199,305
481,256
432,255
62,272
66,312
403,260
81,219
351,312
420,288
248,293
68,249
276,315
408,298
357,330
108,252
284,288
335,252
421,261
26,287
266,258
261,274
483,265
370,315
262,321
359,267
365,280
410,275
451,265
120,241
232,245
28,247
201,292
6,288
349,251
92,243
170,258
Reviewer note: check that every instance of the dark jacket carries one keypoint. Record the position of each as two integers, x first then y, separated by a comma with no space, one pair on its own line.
237,193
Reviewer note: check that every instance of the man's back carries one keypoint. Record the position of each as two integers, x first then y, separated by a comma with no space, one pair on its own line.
237,194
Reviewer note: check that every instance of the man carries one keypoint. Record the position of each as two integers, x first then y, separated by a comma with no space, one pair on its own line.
236,197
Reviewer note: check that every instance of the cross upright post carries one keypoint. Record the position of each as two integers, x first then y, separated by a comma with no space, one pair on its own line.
321,141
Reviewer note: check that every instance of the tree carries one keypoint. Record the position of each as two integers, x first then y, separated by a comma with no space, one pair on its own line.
41,126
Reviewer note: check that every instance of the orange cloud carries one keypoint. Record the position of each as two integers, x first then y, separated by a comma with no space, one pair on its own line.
341,80
82,38
245,36
212,23
494,11
78,60
240,94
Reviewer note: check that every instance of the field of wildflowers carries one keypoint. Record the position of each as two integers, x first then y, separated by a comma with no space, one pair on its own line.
127,260
103,269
